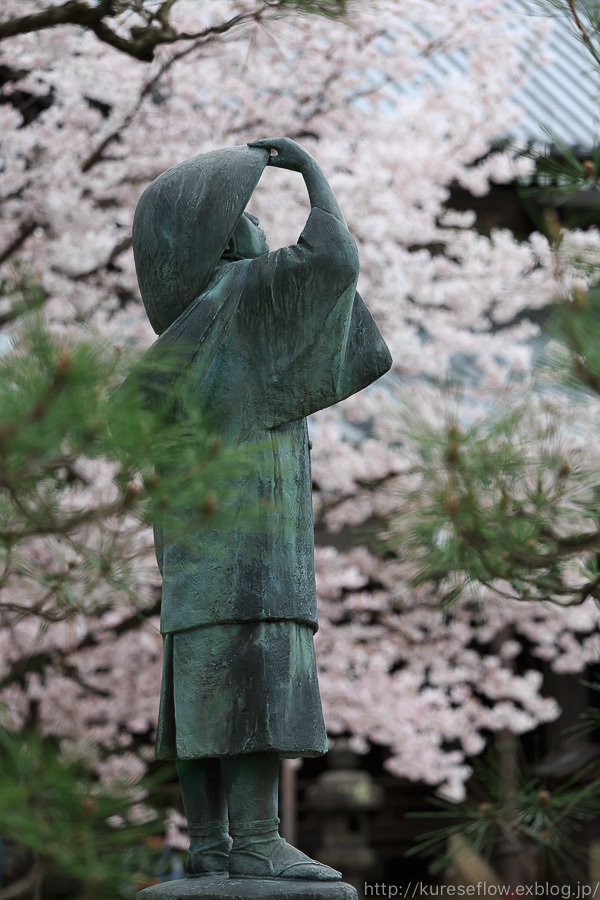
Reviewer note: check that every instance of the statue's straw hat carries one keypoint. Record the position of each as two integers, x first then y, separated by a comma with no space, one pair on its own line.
183,222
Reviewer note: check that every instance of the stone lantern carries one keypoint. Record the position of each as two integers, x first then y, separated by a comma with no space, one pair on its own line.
345,795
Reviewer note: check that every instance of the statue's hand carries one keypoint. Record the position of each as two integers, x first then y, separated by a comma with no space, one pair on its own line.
285,153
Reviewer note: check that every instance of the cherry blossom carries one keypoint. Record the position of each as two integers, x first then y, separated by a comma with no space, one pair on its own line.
366,98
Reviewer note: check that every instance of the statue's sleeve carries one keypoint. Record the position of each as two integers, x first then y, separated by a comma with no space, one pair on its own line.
314,340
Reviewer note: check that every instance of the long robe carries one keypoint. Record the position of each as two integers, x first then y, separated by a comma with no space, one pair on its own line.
268,342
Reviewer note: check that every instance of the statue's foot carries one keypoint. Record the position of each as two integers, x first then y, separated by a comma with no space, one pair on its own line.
280,860
211,860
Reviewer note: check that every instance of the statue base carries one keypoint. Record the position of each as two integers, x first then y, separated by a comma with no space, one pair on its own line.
221,888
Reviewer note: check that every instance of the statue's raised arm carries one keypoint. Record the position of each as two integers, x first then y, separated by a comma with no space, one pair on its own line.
287,154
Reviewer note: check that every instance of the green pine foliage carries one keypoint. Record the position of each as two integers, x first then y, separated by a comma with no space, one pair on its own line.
538,819
71,828
83,470
583,17
64,546
503,499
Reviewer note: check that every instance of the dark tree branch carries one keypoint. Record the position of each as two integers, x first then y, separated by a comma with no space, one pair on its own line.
144,39
74,12
69,523
97,155
583,32
119,248
37,662
565,546
25,231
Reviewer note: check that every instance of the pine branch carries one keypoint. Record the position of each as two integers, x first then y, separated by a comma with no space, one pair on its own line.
40,408
68,524
24,885
583,32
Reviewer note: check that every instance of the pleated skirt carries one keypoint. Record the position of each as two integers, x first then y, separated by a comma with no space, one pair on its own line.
240,688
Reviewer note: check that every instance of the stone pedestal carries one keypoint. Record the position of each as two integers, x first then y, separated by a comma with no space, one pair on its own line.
222,888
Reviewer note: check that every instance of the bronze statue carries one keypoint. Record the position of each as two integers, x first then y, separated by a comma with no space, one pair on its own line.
259,340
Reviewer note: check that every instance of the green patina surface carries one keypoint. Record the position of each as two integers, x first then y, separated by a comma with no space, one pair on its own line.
257,341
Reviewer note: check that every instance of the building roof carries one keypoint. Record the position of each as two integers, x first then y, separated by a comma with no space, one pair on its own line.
563,95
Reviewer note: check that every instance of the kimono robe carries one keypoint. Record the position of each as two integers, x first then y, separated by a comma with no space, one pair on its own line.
268,342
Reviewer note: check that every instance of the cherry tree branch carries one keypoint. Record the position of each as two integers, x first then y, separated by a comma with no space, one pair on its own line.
97,154
18,671
116,251
25,231
73,12
144,39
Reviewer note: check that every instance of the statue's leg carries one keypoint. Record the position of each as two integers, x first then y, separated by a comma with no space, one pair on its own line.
206,811
251,784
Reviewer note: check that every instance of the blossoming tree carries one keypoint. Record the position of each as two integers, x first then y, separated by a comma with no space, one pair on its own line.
85,125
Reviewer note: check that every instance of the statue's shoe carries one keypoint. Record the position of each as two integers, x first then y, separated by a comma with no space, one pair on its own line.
284,861
207,861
